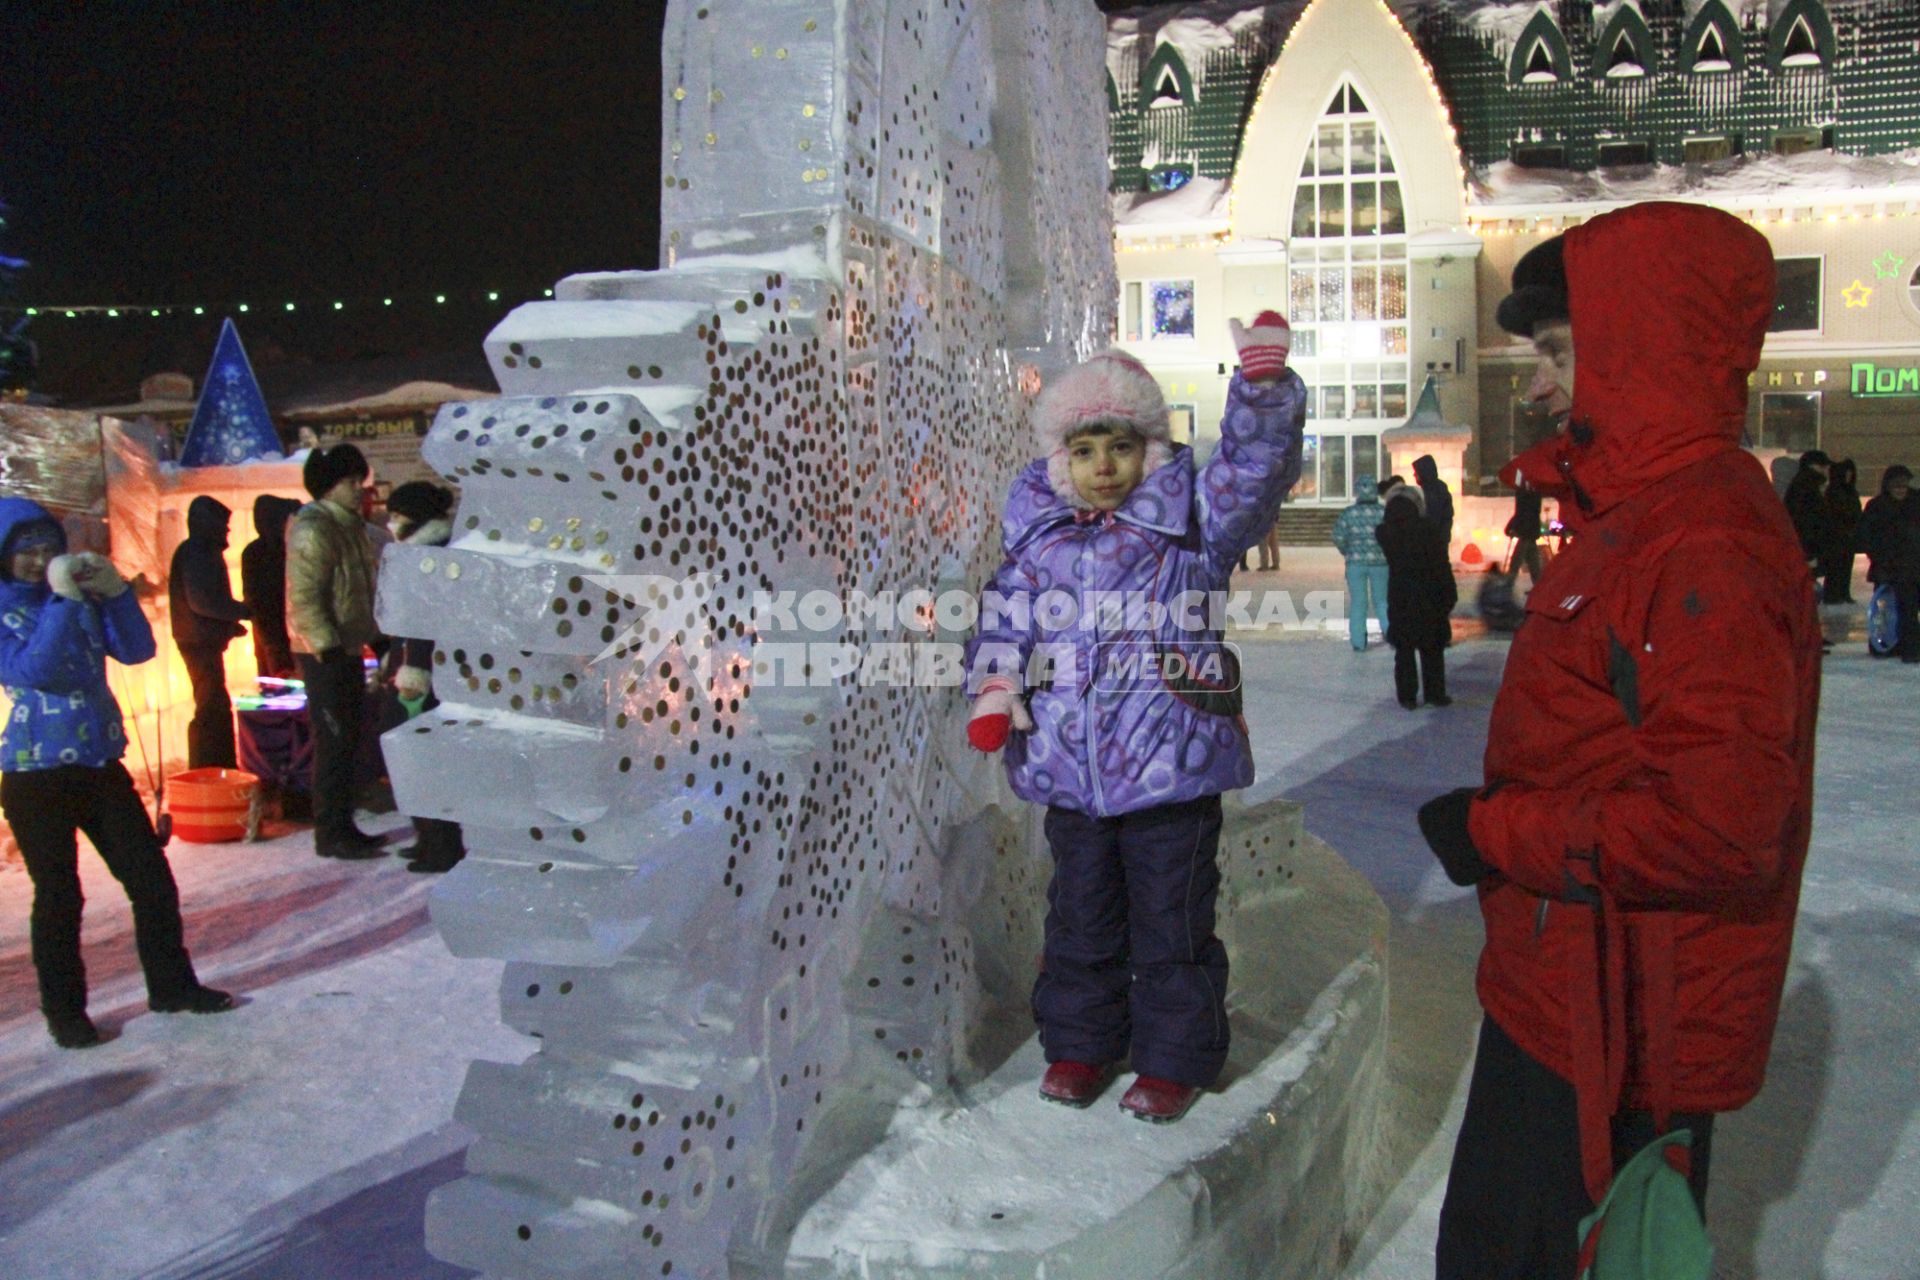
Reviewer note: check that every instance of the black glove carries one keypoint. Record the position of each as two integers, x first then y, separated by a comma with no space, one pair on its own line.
1443,821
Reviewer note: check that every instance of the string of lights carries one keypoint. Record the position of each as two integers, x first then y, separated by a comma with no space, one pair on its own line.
165,310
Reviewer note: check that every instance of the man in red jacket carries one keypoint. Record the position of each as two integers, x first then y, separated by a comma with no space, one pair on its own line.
1638,843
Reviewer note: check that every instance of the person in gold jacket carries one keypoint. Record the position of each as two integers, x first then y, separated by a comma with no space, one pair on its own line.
330,579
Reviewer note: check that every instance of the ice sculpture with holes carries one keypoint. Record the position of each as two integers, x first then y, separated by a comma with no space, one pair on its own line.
757,901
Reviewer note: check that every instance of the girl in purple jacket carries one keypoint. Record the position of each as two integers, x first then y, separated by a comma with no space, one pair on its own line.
1099,670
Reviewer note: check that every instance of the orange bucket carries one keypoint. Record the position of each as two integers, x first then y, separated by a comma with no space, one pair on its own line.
210,805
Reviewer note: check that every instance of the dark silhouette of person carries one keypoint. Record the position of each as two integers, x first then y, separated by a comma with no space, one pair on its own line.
206,618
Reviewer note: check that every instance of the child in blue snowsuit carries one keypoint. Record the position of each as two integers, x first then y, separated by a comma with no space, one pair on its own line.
1130,759
61,617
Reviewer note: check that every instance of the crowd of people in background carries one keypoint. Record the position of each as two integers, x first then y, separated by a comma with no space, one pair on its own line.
307,595
1823,502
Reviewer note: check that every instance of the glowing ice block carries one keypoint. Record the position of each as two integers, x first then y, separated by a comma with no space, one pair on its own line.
751,886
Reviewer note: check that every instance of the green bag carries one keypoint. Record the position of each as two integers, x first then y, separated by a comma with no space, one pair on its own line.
1648,1227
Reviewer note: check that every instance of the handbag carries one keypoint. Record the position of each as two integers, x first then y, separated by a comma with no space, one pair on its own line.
1648,1227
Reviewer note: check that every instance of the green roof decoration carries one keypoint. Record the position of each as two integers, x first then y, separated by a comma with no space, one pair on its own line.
1627,75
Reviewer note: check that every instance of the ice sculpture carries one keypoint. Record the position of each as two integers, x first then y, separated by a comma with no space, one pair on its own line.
750,898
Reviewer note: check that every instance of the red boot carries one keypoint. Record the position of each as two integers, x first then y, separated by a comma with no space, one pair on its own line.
1075,1084
1158,1101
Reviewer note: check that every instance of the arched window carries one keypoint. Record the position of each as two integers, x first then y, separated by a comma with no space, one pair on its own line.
1802,36
1540,54
1625,47
1711,44
1624,61
1166,81
1347,293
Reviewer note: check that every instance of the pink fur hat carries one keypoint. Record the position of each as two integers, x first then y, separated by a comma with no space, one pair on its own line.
1112,388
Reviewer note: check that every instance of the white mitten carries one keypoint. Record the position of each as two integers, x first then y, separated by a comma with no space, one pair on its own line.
97,576
413,683
63,575
998,709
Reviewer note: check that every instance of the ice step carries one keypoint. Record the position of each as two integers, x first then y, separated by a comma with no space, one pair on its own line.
1266,1177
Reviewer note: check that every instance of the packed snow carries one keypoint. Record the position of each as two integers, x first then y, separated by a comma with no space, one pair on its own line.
297,1137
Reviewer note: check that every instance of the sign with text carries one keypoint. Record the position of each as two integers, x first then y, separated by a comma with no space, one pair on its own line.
392,445
1872,382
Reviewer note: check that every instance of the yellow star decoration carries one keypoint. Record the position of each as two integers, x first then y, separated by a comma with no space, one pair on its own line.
1857,293
1887,266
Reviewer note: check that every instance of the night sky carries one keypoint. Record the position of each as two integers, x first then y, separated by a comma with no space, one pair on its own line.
216,153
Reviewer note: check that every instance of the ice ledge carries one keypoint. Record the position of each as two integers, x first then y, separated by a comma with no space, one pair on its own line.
1267,1176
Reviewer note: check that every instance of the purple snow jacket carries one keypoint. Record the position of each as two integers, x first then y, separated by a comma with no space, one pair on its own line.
1130,710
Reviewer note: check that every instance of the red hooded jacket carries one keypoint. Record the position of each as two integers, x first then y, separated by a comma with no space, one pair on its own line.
1650,760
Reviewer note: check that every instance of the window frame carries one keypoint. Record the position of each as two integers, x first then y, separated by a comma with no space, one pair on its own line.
1819,294
1816,398
1136,303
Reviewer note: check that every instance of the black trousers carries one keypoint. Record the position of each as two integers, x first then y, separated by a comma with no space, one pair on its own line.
1526,555
210,732
45,807
1433,670
1132,963
336,708
1906,596
1515,1194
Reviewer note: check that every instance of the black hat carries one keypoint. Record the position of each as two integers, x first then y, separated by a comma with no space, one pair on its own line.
326,468
419,501
1539,289
1815,458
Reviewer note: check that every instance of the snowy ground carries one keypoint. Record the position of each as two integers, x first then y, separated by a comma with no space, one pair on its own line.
298,1136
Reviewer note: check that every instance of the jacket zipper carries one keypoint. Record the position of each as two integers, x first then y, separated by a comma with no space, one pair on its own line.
1090,707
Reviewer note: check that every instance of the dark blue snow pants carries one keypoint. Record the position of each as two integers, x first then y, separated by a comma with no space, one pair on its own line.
1131,959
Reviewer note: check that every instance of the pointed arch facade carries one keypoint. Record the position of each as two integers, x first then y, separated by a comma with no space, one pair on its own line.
1711,42
1801,36
1166,80
1540,55
1625,37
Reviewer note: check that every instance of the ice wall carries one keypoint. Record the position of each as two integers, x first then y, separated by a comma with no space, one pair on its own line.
750,901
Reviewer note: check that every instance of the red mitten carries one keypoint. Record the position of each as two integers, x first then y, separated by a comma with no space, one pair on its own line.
996,712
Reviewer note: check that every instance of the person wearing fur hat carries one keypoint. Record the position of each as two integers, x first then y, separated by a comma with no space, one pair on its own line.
330,577
61,617
1131,736
421,514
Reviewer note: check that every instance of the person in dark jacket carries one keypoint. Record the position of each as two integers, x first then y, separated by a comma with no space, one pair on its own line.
1524,529
61,618
1420,597
206,618
1439,498
1807,504
420,514
263,585
1890,530
1842,523
1643,815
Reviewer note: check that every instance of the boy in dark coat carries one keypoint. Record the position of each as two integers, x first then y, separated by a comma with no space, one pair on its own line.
206,618
1890,528
1420,599
263,585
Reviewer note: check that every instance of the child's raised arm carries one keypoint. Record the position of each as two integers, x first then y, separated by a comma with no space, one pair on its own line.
1258,460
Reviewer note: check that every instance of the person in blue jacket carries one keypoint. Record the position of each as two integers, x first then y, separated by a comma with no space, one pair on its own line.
61,617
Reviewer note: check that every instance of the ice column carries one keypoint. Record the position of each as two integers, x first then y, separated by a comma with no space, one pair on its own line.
751,889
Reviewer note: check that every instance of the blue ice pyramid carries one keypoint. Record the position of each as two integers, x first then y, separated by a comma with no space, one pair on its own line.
230,424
